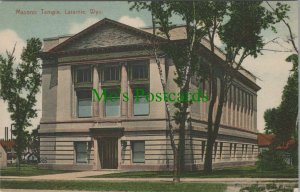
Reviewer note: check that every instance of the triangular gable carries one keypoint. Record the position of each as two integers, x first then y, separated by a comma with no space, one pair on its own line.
104,33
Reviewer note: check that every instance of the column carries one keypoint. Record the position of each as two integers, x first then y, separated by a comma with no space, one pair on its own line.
101,103
96,164
95,86
124,89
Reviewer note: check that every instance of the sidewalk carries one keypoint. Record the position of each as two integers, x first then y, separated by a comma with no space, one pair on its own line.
81,176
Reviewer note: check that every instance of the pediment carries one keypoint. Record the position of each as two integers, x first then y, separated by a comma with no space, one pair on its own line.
105,33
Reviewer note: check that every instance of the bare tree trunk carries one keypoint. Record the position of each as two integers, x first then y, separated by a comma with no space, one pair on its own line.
176,173
179,162
210,141
214,124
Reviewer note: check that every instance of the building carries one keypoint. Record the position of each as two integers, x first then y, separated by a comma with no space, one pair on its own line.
3,158
264,141
286,149
79,132
8,146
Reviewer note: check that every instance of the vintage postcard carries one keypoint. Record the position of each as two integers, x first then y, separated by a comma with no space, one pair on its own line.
149,96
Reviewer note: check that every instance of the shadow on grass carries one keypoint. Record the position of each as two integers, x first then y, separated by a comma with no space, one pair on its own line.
113,186
236,172
28,170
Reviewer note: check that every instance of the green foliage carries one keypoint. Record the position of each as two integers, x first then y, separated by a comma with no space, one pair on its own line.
282,120
227,172
19,85
270,117
113,186
29,170
271,160
199,19
239,25
242,33
34,143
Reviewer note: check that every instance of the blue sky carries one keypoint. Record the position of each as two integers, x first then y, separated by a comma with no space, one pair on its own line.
270,67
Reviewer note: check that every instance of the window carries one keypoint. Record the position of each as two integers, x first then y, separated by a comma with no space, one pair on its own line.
140,102
230,150
83,74
138,152
243,152
234,151
112,104
84,103
215,150
81,152
221,150
111,73
139,72
203,149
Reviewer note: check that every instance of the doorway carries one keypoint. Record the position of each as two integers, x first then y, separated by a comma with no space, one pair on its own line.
108,152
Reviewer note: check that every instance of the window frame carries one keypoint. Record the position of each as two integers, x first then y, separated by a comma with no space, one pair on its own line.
77,102
133,151
118,66
145,87
76,143
105,107
139,63
80,67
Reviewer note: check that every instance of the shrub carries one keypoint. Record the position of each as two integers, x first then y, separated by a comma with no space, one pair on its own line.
271,160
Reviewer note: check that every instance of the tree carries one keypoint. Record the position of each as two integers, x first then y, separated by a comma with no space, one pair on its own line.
19,85
201,20
34,143
185,56
167,106
241,35
271,118
283,120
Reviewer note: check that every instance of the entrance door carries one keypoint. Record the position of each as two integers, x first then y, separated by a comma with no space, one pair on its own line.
108,152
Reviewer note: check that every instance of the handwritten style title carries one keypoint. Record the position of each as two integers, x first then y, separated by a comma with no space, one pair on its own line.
197,96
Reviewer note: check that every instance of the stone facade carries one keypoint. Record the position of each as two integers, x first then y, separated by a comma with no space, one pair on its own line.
130,141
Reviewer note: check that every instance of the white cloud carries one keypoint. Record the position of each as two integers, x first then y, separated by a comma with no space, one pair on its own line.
8,39
77,27
132,21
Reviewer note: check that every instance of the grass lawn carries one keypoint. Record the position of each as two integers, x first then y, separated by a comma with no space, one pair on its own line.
235,172
28,170
113,186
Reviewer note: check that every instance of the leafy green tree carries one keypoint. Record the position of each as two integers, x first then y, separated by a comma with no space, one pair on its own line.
34,143
283,120
20,82
241,36
185,54
207,19
271,118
